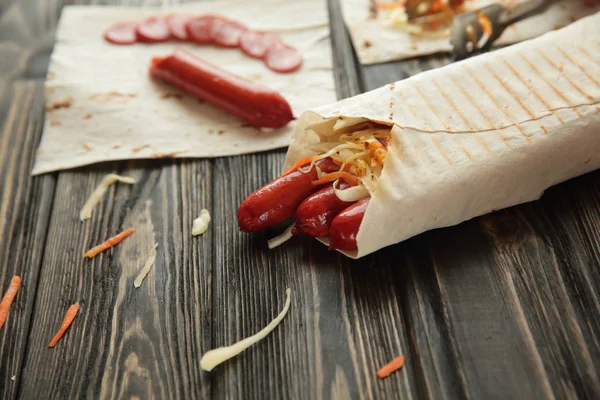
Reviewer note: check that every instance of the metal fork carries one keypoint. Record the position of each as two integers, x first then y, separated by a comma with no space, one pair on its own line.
477,30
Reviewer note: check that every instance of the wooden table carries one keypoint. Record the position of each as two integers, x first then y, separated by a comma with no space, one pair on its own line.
503,306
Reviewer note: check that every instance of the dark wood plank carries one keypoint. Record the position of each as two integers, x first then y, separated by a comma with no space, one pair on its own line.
25,205
502,306
142,342
345,321
506,305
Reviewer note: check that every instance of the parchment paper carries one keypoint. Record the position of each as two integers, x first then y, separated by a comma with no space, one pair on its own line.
102,105
479,135
375,43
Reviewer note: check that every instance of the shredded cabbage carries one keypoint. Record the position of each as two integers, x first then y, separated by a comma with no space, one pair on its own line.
146,268
350,194
281,239
96,196
351,150
217,356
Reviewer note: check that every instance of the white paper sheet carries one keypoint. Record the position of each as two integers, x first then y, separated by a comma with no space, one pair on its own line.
375,43
102,104
479,135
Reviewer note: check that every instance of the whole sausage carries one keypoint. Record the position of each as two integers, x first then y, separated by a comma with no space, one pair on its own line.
344,227
253,103
277,200
315,213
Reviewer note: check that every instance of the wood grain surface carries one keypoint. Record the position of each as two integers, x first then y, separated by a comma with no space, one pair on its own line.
503,306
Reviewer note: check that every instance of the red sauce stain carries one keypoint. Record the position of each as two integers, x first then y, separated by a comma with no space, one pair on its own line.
58,104
140,148
171,95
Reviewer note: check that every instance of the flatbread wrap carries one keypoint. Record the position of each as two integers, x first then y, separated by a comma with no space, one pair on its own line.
458,142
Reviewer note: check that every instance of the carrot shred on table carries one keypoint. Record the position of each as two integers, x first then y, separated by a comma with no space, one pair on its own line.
348,178
113,241
391,367
8,298
390,6
300,163
69,317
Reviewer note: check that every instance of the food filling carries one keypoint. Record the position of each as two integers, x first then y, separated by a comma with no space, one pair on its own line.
421,17
360,152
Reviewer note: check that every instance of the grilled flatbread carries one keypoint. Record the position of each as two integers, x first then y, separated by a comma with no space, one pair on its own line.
475,136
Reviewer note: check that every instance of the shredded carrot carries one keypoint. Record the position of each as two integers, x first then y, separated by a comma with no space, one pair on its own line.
339,164
348,178
390,6
485,23
113,241
300,163
8,298
391,367
377,150
436,7
69,317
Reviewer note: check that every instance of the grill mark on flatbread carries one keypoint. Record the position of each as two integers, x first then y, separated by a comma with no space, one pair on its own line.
474,104
414,114
509,91
584,51
544,129
531,89
554,89
568,57
409,146
453,105
559,69
461,115
441,150
547,114
432,108
436,112
486,91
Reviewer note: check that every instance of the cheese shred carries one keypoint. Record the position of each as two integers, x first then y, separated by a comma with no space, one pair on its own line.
146,268
217,356
96,196
200,224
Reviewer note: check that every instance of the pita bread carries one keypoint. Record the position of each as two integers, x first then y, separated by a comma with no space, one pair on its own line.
102,104
477,136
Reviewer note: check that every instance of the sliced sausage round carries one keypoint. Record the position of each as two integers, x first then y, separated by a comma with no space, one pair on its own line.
177,23
226,33
199,29
283,58
121,33
153,30
255,44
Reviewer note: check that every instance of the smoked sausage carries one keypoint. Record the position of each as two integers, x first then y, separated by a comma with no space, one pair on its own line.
256,104
315,213
344,227
277,200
